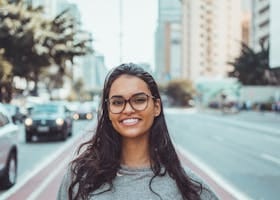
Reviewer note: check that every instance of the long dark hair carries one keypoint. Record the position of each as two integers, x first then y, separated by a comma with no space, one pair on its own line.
100,161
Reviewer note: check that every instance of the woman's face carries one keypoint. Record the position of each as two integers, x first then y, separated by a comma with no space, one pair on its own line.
131,123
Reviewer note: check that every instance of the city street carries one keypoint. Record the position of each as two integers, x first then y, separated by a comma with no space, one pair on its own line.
236,154
242,150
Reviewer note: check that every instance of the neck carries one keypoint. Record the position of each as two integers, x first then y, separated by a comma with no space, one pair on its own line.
135,154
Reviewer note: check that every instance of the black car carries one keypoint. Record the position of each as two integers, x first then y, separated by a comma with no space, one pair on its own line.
48,120
85,111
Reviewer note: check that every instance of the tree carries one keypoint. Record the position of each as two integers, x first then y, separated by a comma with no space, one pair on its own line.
252,68
181,91
68,42
21,30
32,43
5,79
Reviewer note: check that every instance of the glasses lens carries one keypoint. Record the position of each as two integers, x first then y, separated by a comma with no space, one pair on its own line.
139,102
116,104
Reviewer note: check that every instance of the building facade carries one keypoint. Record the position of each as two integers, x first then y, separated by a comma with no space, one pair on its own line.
211,36
168,41
260,23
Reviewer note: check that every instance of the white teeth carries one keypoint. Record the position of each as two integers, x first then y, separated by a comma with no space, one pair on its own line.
130,121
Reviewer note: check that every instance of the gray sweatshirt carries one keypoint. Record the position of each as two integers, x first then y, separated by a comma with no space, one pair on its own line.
133,184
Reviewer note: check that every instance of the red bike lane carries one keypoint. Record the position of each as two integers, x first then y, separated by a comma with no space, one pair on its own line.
44,184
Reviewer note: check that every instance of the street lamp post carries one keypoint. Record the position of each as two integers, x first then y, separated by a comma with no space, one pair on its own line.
121,27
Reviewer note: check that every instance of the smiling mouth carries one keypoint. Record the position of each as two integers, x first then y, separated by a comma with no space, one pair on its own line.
131,121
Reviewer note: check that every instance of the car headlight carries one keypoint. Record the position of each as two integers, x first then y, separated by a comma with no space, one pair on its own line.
28,121
59,121
89,116
75,116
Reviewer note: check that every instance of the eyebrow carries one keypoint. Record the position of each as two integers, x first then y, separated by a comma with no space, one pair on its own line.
120,96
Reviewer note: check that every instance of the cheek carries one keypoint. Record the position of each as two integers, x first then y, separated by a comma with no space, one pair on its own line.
114,121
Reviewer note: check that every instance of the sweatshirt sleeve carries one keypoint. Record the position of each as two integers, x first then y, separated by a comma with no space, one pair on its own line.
207,193
63,189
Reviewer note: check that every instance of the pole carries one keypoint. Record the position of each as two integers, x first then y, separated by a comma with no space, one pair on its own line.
121,27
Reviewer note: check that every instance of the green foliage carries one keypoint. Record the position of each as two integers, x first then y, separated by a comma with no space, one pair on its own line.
181,91
252,68
5,79
32,42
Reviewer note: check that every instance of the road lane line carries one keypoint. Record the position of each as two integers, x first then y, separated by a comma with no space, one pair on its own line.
270,158
213,175
43,185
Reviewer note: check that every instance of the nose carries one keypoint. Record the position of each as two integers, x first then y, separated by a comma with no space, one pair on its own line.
128,108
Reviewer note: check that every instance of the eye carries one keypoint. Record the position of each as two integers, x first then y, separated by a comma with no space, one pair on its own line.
139,99
117,102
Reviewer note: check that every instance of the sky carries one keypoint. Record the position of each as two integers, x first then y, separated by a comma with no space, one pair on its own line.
139,19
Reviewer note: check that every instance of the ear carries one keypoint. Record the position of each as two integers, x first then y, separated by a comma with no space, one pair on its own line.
157,108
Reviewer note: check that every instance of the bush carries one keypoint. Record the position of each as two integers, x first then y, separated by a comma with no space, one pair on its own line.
180,92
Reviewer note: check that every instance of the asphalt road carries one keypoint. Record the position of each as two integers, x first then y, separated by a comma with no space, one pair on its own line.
236,154
241,150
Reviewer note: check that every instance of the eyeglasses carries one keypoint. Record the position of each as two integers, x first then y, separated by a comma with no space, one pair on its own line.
138,102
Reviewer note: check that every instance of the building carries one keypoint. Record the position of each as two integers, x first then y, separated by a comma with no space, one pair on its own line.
211,36
168,41
260,23
246,21
265,29
91,70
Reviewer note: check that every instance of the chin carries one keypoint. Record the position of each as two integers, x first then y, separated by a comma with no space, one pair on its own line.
132,134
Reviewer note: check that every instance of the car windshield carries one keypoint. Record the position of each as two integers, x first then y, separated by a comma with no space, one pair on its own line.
49,109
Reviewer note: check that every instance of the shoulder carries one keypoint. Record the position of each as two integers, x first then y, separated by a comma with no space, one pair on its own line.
207,192
64,185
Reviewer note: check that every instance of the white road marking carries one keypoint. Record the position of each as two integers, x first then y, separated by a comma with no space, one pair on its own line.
270,158
216,177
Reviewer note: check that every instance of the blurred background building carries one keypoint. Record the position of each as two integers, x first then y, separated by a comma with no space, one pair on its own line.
260,23
168,41
211,35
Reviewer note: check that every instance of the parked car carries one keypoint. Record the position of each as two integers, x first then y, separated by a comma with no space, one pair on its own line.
15,112
86,111
8,149
49,120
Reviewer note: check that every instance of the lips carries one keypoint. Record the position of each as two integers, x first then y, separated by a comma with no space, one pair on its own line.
130,121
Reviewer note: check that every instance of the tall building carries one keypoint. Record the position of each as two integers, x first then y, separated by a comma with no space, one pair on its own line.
274,39
246,21
91,69
260,23
211,36
168,40
265,29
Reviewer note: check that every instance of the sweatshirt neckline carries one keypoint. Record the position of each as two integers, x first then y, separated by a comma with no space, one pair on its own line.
127,170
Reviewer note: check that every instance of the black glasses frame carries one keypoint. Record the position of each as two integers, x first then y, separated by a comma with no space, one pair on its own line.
129,101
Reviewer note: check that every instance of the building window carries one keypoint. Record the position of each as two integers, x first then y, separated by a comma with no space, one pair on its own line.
264,24
264,9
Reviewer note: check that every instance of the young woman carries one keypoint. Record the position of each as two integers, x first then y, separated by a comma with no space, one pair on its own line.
130,156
